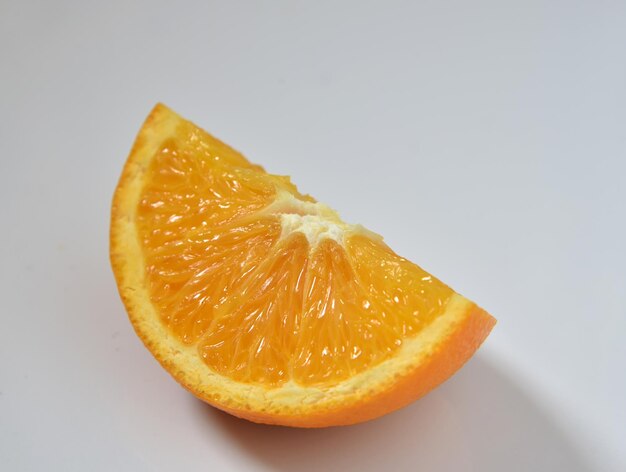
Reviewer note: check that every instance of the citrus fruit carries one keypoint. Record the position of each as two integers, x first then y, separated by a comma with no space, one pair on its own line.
262,301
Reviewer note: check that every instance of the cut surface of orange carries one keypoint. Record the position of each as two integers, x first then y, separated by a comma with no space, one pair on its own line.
262,301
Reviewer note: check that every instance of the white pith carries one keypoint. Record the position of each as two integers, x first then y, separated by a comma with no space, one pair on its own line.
314,227
315,220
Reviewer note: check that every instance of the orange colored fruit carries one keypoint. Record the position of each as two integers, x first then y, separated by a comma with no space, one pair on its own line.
262,301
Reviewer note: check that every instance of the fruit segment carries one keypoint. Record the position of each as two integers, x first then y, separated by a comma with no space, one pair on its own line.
198,246
406,297
254,338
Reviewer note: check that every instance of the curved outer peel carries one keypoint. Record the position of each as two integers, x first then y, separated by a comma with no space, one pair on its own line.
422,363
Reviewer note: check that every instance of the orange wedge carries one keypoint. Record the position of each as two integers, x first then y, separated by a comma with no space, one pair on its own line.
262,301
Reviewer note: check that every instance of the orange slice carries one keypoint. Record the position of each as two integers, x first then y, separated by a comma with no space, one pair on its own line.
262,301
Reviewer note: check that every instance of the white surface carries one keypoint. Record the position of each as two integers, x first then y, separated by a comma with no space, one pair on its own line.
486,140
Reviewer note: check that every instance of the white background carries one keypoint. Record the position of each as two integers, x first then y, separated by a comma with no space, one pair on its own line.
486,140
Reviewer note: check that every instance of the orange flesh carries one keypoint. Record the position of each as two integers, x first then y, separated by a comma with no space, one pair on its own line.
260,306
